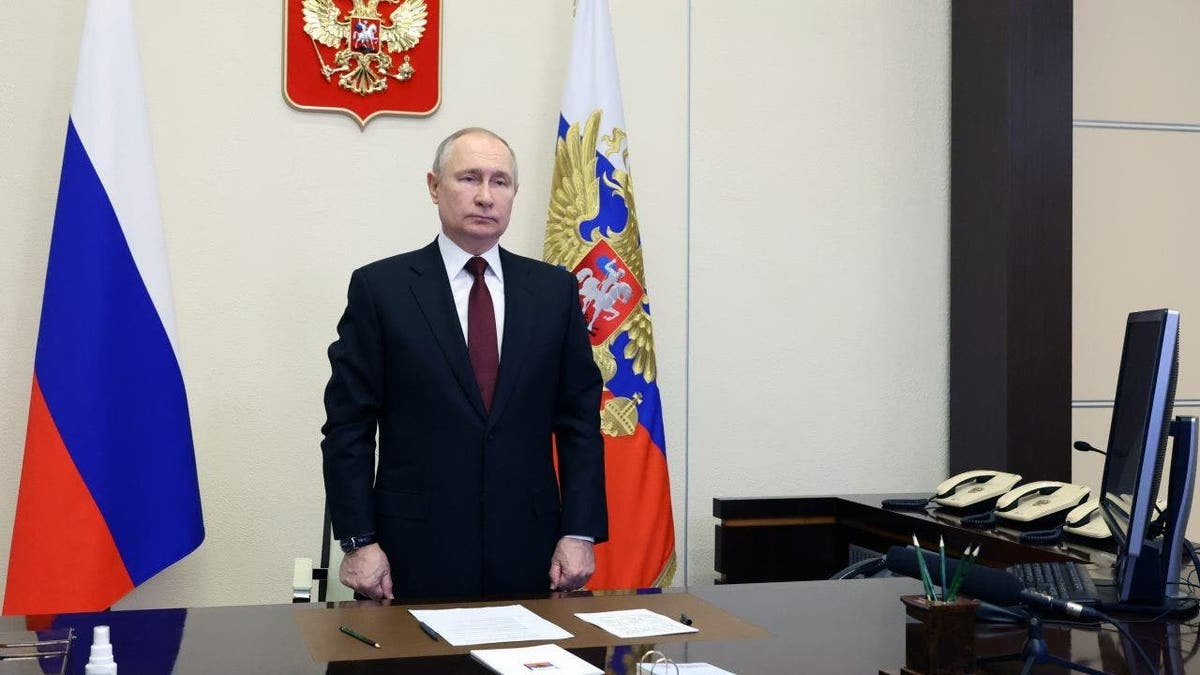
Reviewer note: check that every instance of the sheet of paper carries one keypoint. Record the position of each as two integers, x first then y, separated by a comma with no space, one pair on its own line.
684,669
633,623
532,660
484,625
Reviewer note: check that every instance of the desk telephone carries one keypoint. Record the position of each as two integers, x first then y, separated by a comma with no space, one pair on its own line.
994,494
1040,499
984,489
975,490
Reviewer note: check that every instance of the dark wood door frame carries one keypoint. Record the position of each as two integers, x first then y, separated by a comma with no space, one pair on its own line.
1010,237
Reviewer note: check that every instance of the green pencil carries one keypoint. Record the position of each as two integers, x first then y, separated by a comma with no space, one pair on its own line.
359,636
924,571
942,558
967,561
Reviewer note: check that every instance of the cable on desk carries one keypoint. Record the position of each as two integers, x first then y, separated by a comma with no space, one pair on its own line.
979,521
864,568
898,504
1042,537
1129,636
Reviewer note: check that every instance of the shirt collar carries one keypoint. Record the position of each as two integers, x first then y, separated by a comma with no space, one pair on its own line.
455,258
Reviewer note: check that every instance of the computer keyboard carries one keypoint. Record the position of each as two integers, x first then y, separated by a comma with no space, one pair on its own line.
1063,580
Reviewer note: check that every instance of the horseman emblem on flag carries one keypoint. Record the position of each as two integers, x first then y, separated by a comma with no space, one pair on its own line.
608,291
356,56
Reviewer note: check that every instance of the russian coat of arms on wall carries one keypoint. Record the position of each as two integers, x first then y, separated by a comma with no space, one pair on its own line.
362,57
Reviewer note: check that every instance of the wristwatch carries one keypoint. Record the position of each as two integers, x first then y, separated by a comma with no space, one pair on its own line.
350,544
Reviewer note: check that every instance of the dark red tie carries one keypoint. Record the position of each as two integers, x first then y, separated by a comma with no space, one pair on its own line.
481,332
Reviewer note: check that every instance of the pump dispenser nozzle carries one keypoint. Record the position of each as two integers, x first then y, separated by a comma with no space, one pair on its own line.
101,660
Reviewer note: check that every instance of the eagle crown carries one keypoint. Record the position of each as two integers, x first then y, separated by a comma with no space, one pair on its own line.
369,7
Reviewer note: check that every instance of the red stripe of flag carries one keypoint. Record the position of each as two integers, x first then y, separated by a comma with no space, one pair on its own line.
641,539
61,544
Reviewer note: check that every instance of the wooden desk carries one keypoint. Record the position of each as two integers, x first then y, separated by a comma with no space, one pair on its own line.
808,538
819,627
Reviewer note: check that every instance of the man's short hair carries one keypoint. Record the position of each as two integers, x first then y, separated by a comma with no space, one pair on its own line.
443,149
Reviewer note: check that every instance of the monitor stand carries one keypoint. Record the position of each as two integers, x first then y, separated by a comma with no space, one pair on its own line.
1182,480
1157,571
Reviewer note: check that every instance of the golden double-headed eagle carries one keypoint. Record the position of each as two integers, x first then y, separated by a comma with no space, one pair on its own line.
361,35
574,200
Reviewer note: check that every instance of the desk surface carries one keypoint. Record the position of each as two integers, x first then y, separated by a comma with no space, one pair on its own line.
822,627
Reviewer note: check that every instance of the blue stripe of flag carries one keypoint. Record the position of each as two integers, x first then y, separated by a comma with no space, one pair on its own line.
144,641
111,379
613,215
627,383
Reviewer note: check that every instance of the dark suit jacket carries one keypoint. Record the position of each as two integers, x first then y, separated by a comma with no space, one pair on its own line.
463,502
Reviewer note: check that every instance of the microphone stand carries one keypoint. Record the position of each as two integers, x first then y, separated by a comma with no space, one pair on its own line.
1035,652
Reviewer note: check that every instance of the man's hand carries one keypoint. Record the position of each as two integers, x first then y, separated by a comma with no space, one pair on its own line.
572,564
366,570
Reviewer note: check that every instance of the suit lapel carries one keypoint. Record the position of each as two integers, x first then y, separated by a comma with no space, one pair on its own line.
431,289
518,322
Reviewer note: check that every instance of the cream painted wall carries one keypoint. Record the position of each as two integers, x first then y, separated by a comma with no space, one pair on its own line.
1135,200
817,127
819,238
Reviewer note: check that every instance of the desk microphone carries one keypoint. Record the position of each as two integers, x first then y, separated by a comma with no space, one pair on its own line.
1084,446
990,585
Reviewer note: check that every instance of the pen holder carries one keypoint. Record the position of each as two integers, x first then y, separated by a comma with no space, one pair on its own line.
943,640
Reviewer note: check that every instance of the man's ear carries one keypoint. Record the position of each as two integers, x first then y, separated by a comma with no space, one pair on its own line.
431,180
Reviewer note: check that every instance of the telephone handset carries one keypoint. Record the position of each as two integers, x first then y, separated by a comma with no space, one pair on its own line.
1041,499
1085,520
974,489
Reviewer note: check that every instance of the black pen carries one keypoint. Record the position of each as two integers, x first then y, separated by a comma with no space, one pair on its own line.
428,631
685,619
359,636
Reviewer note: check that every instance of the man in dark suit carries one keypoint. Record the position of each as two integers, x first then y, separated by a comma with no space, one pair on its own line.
470,361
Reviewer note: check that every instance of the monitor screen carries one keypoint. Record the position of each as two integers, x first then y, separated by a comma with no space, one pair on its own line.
1137,439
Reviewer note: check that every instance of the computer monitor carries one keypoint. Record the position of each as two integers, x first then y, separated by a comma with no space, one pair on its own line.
1137,443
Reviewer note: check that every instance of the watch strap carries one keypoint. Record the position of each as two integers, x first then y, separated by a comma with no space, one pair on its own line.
350,544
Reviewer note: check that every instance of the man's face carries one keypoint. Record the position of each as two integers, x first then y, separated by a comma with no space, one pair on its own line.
474,193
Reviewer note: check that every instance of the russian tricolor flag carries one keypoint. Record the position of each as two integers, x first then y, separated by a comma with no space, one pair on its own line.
592,230
108,495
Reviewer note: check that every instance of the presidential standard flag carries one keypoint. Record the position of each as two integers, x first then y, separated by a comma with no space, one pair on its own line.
592,230
108,494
